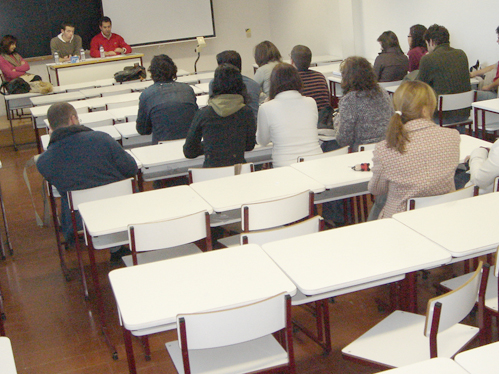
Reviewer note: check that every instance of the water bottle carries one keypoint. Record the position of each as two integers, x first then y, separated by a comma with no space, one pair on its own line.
101,50
56,58
82,54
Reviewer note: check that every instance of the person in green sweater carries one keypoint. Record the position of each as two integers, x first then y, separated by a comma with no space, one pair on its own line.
66,44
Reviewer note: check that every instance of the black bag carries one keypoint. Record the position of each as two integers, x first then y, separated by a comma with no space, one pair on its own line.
131,73
16,86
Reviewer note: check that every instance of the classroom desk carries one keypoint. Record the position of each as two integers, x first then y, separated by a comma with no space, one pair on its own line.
197,78
7,235
15,103
466,228
202,100
50,99
124,114
207,281
130,138
335,88
7,363
327,70
204,87
91,69
133,86
485,116
438,365
319,59
484,359
110,130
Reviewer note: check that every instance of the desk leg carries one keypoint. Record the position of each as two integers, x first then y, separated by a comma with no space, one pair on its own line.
37,136
483,124
140,180
409,295
5,225
127,336
9,115
323,335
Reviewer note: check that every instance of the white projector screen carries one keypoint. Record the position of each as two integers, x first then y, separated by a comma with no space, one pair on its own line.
160,21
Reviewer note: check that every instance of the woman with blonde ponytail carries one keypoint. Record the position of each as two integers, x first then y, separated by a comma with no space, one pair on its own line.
417,158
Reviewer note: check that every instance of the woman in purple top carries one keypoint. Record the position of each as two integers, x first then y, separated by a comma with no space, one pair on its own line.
417,46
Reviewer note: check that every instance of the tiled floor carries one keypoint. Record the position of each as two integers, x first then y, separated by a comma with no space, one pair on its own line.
54,330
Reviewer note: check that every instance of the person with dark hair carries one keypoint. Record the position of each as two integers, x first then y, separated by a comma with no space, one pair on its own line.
167,107
226,125
391,64
113,44
267,56
417,46
67,43
78,158
288,119
418,158
252,88
364,109
445,69
487,91
314,83
11,63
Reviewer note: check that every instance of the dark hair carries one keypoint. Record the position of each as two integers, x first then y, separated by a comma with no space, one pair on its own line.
59,115
437,33
389,40
417,32
301,56
284,77
5,44
357,74
163,69
497,30
266,52
67,24
229,57
104,19
228,80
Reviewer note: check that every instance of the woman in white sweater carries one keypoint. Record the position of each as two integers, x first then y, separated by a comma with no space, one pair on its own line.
288,119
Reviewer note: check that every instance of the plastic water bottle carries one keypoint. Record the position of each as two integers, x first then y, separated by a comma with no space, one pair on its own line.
56,58
82,54
101,50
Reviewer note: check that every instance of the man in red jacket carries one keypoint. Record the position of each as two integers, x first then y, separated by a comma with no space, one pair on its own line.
113,44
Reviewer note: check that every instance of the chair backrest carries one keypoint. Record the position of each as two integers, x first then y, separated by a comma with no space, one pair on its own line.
367,147
234,325
309,226
337,152
278,212
423,202
206,174
151,236
496,184
122,104
456,101
121,188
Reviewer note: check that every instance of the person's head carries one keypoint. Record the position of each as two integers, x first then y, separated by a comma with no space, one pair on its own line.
415,37
412,100
436,35
389,40
62,115
497,32
357,74
8,44
230,57
284,77
67,30
105,26
228,80
266,52
301,56
163,69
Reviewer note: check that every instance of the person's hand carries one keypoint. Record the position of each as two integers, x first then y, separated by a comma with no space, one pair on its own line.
486,88
63,59
466,159
110,53
488,149
23,62
473,74
119,51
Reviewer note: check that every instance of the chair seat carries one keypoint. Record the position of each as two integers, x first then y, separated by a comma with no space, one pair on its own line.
245,357
162,254
111,240
399,340
230,241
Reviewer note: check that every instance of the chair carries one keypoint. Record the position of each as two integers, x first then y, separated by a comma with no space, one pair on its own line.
337,152
75,198
236,340
453,102
405,338
496,184
206,174
273,213
367,147
423,202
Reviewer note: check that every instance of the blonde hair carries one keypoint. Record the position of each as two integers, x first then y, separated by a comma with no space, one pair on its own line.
409,101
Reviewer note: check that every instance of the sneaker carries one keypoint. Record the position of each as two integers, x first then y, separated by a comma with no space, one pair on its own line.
116,256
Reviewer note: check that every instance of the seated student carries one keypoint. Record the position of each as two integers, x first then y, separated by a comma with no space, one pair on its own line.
66,44
113,44
484,167
418,158
11,63
391,64
78,158
314,83
417,46
267,56
166,108
226,125
365,108
488,91
252,88
288,119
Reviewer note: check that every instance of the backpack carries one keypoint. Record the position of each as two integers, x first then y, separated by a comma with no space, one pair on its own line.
16,86
131,73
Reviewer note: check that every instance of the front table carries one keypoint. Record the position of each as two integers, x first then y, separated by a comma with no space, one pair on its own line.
151,295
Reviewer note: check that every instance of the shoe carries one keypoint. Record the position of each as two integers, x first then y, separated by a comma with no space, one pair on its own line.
116,256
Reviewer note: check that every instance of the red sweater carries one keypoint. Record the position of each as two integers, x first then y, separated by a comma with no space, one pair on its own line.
115,41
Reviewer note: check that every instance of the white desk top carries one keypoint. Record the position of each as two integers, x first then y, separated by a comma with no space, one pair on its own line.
110,130
160,154
319,59
492,105
202,100
7,363
182,72
204,87
470,143
92,117
352,255
462,227
200,282
110,216
231,192
127,129
56,98
193,78
328,69
484,359
437,365
102,101
132,86
124,112
335,78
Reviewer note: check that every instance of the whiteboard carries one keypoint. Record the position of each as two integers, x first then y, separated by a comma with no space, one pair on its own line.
160,21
